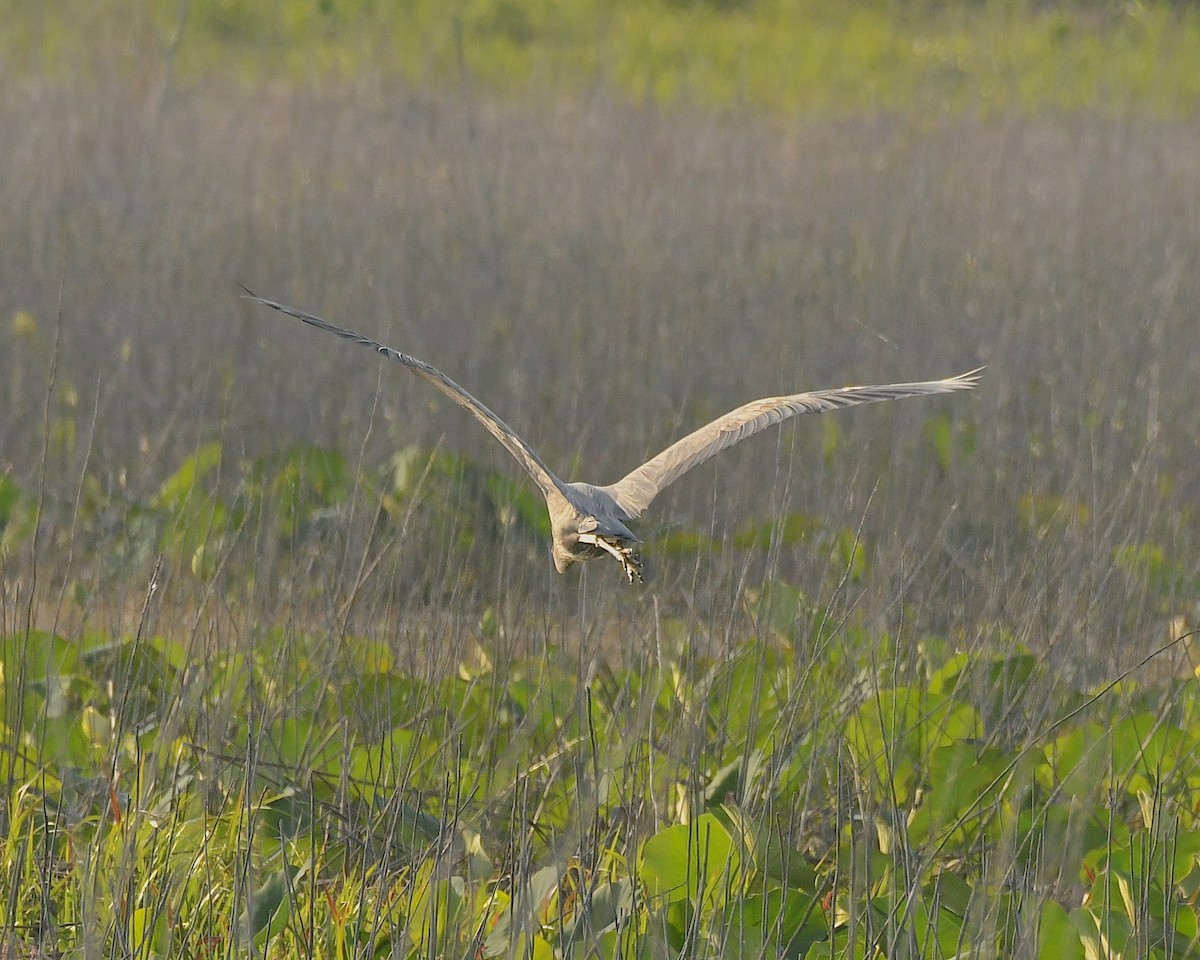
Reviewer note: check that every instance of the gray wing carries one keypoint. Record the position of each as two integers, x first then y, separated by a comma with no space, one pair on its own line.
636,490
524,454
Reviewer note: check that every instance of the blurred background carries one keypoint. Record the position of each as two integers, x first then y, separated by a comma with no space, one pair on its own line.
611,221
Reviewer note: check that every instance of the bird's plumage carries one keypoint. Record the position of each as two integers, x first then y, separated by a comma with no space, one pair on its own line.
589,521
640,486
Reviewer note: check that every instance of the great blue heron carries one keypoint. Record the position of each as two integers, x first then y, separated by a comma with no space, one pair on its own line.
588,521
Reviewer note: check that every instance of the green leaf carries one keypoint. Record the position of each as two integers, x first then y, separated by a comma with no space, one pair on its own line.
1058,936
436,907
744,692
967,783
1145,749
303,481
148,933
1150,564
936,928
10,495
604,908
691,860
781,606
791,530
895,731
523,915
781,923
939,434
268,907
1079,760
18,515
1044,514
945,679
183,483
852,555
831,437
950,439
1052,834
36,654
287,814
518,506
1106,933
768,853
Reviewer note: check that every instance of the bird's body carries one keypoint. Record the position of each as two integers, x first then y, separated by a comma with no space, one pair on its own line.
589,521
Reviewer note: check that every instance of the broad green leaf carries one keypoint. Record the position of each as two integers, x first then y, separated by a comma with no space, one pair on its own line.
1145,750
967,783
682,543
1051,834
937,929
36,655
692,860
781,923
18,515
950,439
946,678
745,691
68,744
1102,925
302,481
1080,759
767,852
287,814
780,606
523,915
436,906
148,933
183,483
369,656
1185,853
599,911
852,555
895,731
831,437
1058,936
724,784
518,505
268,906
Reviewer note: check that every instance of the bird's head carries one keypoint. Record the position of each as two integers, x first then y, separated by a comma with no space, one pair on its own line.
562,556
566,548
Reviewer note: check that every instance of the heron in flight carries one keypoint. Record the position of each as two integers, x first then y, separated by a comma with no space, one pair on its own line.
589,521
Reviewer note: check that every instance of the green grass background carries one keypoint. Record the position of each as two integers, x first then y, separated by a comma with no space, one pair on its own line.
794,56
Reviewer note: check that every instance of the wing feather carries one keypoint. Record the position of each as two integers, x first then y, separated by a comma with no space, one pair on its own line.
637,489
524,454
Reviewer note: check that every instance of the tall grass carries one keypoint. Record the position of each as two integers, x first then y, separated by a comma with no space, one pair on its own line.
299,670
608,278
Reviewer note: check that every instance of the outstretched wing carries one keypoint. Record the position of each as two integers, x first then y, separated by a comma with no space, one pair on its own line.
636,490
524,454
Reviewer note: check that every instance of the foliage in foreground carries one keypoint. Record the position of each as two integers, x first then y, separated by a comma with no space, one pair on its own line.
313,796
818,791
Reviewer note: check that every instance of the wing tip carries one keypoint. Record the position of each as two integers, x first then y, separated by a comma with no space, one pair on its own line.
248,294
965,381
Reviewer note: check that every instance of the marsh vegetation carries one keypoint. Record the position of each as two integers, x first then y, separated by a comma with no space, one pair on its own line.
285,666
